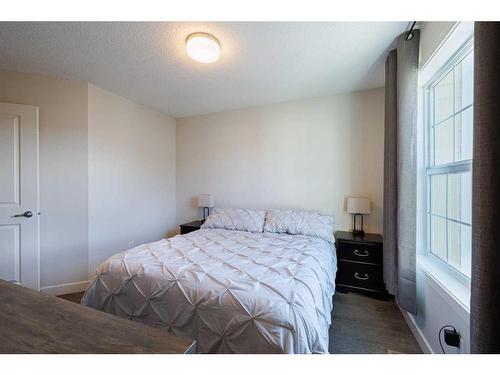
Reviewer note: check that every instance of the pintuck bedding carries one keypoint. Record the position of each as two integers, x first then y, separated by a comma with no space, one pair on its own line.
232,291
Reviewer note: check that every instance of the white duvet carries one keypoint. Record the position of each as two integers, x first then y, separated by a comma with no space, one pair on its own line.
232,291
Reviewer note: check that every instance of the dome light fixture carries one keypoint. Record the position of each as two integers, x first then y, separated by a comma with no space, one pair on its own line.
203,47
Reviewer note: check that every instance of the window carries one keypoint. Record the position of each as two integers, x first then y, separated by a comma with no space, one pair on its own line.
448,117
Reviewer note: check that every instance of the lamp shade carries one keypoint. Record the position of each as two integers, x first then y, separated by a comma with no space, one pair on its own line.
206,200
358,205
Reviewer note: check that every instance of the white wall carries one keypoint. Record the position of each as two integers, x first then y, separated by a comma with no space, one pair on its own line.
63,171
131,175
436,306
431,36
307,154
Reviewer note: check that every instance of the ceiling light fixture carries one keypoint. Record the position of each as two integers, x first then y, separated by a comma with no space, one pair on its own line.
203,47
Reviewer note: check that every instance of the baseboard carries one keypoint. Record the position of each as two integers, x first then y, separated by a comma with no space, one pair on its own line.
65,288
417,333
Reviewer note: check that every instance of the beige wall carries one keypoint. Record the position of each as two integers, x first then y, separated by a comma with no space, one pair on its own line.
131,175
307,154
107,174
63,171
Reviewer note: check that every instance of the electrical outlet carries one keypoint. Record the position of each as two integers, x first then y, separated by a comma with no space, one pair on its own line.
452,338
131,243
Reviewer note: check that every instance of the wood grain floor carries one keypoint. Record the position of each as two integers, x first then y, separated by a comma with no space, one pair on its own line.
38,323
360,325
363,325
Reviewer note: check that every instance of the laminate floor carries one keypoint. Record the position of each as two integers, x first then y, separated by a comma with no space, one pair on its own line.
363,325
360,325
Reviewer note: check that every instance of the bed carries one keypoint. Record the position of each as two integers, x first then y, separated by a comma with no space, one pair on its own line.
233,291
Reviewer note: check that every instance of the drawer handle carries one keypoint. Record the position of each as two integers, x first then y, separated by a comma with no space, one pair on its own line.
365,277
365,253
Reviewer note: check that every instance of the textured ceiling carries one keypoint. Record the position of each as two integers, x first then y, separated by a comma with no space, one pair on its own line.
261,62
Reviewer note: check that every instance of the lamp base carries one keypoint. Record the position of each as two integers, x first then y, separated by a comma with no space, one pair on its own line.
355,231
206,210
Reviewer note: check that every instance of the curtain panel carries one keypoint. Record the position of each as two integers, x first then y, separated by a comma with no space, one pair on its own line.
400,171
485,279
390,174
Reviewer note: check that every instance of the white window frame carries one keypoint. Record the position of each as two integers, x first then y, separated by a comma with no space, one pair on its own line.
432,76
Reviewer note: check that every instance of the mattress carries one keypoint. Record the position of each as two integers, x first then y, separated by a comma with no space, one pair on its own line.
232,291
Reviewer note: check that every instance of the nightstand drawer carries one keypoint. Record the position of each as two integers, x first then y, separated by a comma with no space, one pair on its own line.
358,252
360,275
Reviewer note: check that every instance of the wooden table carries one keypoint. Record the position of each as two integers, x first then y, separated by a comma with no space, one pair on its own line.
34,322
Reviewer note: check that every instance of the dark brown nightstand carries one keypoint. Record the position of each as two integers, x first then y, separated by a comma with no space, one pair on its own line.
191,227
359,261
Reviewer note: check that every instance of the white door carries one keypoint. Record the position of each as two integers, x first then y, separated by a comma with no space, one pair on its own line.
19,241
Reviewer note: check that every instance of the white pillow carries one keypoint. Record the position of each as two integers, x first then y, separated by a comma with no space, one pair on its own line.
307,223
235,219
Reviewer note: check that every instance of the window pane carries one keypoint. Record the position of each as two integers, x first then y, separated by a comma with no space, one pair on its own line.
443,98
438,194
459,247
464,72
450,117
466,244
454,244
443,142
438,236
463,135
460,196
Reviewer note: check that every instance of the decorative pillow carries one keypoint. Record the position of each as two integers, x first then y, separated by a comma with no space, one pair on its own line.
235,219
307,223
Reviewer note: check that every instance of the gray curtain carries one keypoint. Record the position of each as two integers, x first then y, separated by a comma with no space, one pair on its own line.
390,174
485,280
400,171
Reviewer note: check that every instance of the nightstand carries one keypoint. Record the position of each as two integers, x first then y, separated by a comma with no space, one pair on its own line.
360,266
191,227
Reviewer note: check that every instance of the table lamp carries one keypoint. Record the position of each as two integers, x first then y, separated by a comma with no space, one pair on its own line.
206,201
358,207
